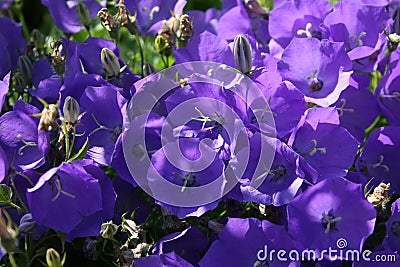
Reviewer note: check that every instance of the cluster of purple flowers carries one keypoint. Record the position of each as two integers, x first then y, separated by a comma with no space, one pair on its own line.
330,74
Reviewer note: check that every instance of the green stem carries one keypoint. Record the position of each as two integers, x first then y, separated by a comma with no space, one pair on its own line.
26,177
141,52
387,63
18,11
18,197
88,31
66,137
163,60
71,147
12,260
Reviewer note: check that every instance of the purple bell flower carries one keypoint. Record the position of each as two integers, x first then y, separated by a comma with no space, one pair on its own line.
57,200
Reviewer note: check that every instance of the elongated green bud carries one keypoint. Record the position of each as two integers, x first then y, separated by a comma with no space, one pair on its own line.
242,53
83,14
25,67
110,62
53,259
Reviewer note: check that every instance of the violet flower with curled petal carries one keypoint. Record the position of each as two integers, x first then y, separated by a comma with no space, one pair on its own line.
319,69
240,243
129,200
57,200
363,37
65,15
316,140
292,17
282,180
379,158
25,146
150,13
232,17
357,110
4,84
189,244
101,125
324,214
388,95
11,45
287,105
189,148
153,143
205,47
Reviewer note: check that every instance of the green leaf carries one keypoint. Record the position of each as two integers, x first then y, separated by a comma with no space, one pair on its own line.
82,152
5,194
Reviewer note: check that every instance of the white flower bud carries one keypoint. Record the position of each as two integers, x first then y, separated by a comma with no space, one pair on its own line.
110,62
71,110
242,53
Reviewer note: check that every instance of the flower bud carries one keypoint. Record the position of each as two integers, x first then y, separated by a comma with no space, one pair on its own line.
254,6
38,38
18,82
26,223
185,31
53,259
141,250
83,14
48,119
110,62
242,53
148,69
125,19
71,110
109,23
25,67
161,44
108,230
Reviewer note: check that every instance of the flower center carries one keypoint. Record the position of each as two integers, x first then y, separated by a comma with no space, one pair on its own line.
316,84
329,221
278,173
188,180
